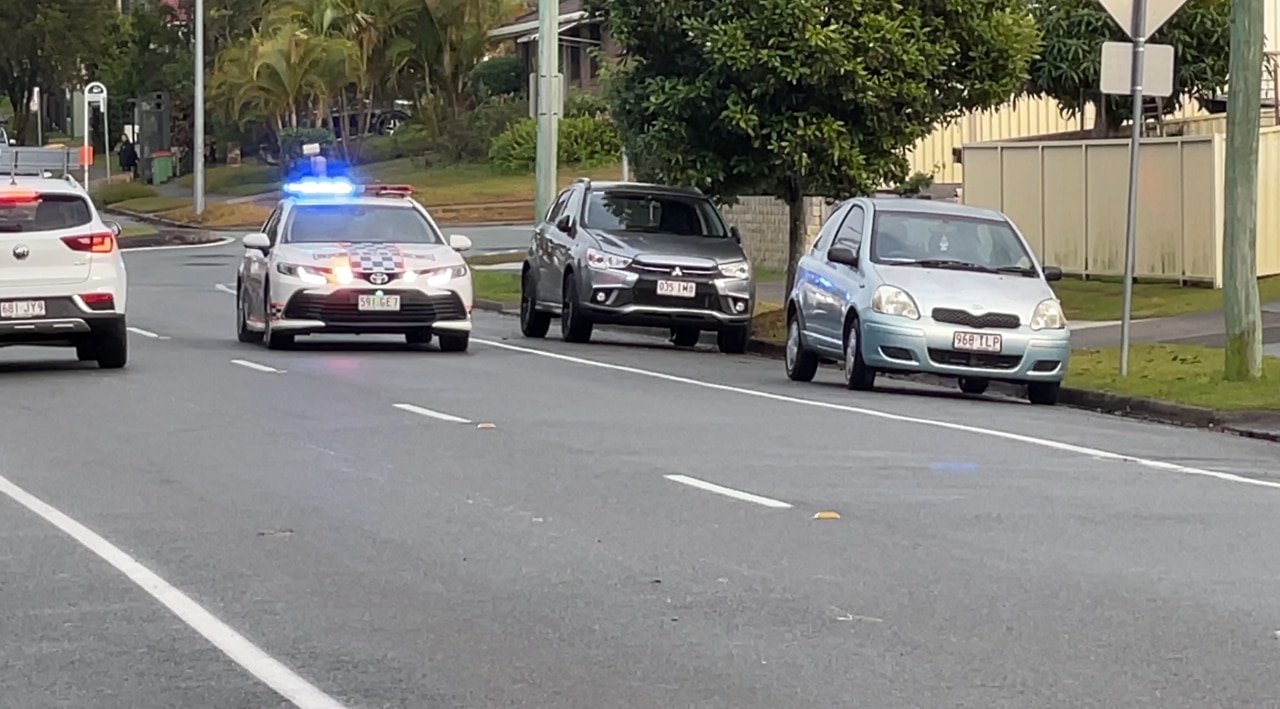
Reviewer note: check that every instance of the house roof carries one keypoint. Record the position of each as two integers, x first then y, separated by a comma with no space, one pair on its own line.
571,13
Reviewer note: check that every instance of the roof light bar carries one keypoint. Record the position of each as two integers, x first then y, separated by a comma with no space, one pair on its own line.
318,187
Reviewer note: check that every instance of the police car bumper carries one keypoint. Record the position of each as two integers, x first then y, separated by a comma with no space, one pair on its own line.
371,310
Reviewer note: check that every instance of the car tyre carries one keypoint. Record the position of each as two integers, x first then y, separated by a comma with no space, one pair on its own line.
455,342
734,341
243,333
685,336
112,347
974,385
532,323
857,375
801,364
574,326
1043,393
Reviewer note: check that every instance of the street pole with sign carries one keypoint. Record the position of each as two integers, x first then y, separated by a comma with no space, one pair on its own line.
1137,69
95,94
198,128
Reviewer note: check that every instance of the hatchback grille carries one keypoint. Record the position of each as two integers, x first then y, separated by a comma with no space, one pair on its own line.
340,307
1001,321
979,360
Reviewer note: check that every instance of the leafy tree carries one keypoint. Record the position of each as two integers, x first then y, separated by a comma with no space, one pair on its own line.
1069,68
149,50
804,97
46,42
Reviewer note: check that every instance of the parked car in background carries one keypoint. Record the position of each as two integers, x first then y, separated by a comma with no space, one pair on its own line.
914,286
626,253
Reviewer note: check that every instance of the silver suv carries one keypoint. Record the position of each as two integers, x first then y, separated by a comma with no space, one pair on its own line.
625,253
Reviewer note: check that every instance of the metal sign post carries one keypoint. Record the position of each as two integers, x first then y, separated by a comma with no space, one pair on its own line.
1138,18
198,128
95,94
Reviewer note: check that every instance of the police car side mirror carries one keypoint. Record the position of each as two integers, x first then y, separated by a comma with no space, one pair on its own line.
259,241
458,242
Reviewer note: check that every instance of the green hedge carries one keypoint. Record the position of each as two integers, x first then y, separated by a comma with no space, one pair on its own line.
122,191
585,141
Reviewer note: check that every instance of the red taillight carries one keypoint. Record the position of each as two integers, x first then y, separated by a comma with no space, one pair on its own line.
103,243
16,197
99,301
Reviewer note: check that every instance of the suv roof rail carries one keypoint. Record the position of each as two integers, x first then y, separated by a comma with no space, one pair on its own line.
40,162
585,181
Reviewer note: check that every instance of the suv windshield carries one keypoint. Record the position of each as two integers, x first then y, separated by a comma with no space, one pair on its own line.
682,215
359,224
947,240
52,212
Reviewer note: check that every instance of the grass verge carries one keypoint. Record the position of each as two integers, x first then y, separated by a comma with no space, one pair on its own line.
152,205
137,230
481,214
1185,374
219,179
473,184
496,285
221,215
1102,300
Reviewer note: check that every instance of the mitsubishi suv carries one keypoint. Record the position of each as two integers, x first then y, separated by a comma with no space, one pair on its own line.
634,254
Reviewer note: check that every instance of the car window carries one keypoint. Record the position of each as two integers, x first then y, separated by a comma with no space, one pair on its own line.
849,234
271,228
828,232
682,215
44,212
903,237
557,207
358,224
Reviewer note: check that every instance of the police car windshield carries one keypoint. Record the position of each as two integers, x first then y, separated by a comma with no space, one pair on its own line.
359,224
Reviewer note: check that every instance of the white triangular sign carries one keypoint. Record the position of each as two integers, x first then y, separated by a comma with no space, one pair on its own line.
1158,13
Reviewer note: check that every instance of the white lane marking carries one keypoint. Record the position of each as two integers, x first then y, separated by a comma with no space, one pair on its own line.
144,333
255,365
224,288
727,491
221,242
252,658
1006,435
413,409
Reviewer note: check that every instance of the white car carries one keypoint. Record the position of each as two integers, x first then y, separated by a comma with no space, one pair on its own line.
337,258
62,278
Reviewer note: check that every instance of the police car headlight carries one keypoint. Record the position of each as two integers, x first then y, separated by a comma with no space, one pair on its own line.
437,277
306,274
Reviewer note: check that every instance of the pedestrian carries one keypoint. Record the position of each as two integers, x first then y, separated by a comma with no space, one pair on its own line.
128,157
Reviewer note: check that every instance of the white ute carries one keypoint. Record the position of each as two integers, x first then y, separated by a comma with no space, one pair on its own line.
62,278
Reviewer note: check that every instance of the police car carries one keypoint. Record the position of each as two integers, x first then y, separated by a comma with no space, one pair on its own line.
340,258
62,278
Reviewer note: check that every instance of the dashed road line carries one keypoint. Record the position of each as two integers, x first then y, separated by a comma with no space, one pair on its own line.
255,366
224,288
429,413
728,491
144,333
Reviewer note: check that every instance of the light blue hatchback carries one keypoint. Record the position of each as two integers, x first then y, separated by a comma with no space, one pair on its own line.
916,286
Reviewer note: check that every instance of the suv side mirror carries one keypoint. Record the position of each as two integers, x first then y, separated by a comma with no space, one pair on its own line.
735,234
843,255
1052,273
565,224
258,241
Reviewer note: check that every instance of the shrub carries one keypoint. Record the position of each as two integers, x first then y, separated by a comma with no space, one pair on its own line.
122,191
409,140
584,103
498,76
469,136
584,141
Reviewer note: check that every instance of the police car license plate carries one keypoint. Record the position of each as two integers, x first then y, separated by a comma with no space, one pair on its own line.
19,309
976,342
379,302
679,289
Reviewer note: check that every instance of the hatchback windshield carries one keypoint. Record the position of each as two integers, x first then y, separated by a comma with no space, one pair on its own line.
359,224
51,212
616,210
945,240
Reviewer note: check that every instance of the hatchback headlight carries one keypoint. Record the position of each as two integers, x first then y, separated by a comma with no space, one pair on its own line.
1048,316
736,269
891,300
603,261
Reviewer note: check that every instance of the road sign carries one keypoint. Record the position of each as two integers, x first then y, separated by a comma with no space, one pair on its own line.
1117,69
1158,13
95,93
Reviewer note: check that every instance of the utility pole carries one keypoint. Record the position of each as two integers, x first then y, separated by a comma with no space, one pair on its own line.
198,128
548,97
1241,308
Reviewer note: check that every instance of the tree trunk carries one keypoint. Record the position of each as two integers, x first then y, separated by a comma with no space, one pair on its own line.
797,233
1240,307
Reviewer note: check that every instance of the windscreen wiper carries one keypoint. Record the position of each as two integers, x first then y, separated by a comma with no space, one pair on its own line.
1020,270
950,263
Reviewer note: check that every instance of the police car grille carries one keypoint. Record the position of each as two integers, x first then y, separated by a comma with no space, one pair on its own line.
341,307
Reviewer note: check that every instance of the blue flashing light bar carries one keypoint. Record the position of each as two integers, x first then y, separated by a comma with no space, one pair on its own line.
320,187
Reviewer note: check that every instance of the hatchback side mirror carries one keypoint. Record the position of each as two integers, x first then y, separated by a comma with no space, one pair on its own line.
843,255
1052,273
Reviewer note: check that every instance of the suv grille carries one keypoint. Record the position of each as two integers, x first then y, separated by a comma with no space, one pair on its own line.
1001,321
340,307
665,270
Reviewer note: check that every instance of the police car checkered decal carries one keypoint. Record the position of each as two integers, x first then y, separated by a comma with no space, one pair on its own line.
374,258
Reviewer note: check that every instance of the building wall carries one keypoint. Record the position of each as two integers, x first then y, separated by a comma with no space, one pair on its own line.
763,222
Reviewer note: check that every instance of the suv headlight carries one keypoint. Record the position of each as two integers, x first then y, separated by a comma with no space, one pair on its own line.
736,269
306,274
437,277
602,261
1048,316
891,300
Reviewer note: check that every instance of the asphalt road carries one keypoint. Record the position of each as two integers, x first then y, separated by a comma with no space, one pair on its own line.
338,525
